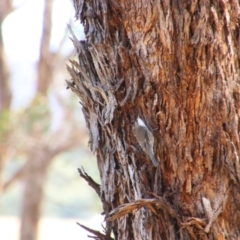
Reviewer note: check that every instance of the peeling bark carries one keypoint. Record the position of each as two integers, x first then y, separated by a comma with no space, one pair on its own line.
174,64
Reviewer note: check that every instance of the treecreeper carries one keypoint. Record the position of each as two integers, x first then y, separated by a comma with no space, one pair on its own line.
146,141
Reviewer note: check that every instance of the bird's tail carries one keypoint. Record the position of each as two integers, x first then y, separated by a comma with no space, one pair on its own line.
153,159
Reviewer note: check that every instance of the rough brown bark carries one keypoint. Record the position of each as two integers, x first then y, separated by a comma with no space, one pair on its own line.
175,64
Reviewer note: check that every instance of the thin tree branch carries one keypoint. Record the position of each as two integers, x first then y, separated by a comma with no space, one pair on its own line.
16,176
90,181
96,233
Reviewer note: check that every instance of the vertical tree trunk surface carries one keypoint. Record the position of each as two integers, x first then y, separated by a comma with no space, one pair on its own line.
175,65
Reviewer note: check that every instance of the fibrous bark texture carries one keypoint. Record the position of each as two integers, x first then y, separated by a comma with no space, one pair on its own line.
174,64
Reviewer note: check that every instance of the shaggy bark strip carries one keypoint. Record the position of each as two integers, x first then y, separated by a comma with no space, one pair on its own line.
97,234
174,64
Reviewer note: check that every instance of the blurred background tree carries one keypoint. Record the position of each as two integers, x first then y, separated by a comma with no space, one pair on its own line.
40,129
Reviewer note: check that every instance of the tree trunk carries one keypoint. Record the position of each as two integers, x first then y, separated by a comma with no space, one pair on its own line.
33,179
5,91
174,64
39,157
45,63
